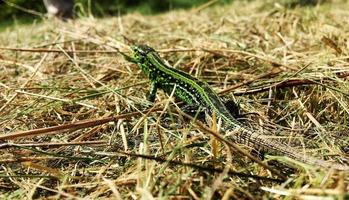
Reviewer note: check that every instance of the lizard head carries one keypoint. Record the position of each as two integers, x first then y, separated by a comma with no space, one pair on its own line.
140,56
141,51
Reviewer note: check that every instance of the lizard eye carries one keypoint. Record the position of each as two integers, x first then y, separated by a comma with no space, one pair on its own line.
142,49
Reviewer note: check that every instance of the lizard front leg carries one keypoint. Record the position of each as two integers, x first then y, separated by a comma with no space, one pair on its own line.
152,92
195,111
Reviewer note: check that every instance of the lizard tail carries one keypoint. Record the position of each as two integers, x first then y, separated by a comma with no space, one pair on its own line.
261,142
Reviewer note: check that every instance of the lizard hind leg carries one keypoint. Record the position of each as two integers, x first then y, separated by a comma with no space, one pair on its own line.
233,108
258,153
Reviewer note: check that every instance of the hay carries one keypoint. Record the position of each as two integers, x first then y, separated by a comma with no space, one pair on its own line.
287,66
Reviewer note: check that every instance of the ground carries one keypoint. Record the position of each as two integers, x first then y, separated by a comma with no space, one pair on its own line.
70,105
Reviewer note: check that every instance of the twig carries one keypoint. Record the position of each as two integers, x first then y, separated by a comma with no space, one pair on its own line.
56,99
33,12
53,144
71,126
206,5
41,50
246,82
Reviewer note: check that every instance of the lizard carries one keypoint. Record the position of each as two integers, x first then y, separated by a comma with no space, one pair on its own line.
195,92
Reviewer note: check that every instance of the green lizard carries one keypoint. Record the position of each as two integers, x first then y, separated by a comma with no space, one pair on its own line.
196,92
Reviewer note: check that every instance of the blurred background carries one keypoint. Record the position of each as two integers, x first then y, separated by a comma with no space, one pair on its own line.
25,11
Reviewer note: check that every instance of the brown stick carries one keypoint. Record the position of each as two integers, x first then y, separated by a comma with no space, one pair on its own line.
72,126
55,144
285,84
289,83
41,50
246,82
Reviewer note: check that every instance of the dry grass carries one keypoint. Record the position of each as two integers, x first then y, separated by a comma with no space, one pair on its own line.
288,66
